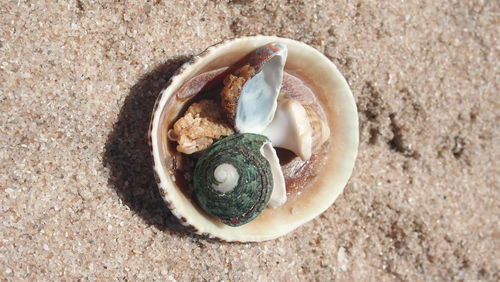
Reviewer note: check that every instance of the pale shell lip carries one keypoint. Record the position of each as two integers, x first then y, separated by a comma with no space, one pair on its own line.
335,95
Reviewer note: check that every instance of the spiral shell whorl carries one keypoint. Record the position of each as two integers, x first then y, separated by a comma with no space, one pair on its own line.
255,183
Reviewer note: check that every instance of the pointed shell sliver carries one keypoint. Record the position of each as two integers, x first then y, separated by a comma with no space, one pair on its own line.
278,197
332,90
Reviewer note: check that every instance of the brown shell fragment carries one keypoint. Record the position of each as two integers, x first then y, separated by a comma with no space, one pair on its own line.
202,123
233,84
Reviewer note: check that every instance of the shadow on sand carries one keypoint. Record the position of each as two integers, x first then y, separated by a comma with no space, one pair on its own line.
127,152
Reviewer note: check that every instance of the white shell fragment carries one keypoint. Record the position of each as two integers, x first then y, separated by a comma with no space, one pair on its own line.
290,129
328,85
257,101
278,196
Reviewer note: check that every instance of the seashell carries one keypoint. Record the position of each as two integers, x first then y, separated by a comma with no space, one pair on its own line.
333,95
250,96
233,179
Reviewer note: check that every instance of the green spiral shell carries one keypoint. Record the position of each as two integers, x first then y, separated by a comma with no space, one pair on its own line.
255,183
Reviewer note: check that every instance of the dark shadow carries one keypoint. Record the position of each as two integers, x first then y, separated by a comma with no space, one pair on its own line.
127,152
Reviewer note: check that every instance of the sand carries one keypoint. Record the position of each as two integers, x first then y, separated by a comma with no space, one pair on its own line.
78,80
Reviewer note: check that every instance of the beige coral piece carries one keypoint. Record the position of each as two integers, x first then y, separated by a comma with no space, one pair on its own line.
202,123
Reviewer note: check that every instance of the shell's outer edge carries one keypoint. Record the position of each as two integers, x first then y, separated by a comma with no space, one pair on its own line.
163,179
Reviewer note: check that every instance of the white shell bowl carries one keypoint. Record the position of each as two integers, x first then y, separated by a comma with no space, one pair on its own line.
332,90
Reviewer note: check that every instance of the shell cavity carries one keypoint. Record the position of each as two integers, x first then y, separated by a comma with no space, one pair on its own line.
245,201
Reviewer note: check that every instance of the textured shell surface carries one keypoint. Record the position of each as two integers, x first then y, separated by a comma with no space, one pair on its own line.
318,74
251,194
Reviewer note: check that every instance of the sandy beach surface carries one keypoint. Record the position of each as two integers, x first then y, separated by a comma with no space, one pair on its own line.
78,200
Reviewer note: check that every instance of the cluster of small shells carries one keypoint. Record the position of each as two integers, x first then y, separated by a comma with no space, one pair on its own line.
208,124
222,186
